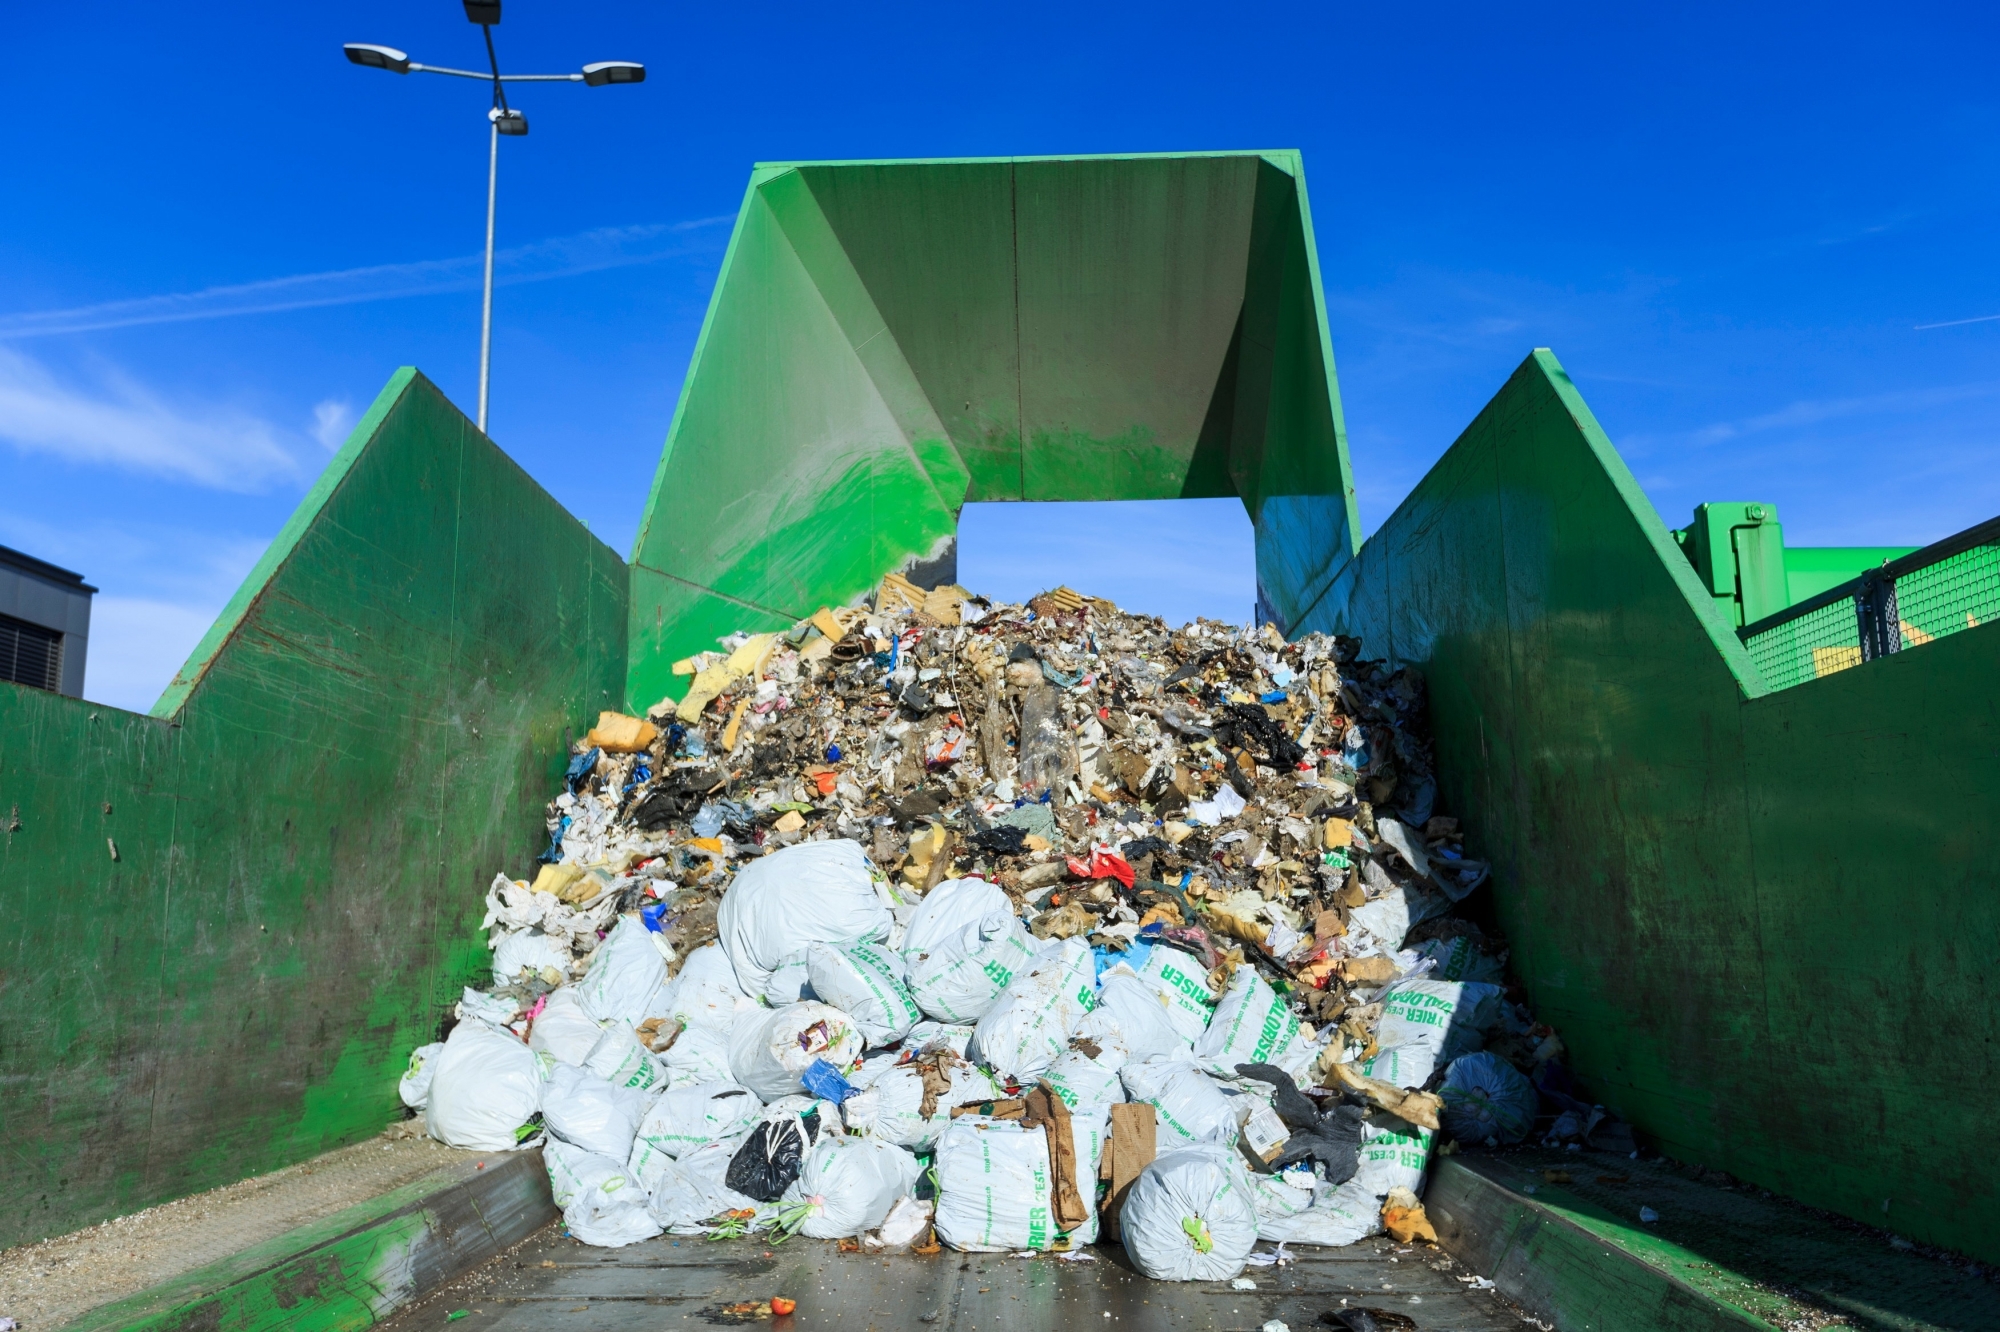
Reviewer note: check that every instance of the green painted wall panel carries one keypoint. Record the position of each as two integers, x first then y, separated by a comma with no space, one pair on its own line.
1811,570
934,245
1871,796
1760,921
304,840
1131,281
890,339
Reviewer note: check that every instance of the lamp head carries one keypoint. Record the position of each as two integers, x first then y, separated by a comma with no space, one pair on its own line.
613,71
377,57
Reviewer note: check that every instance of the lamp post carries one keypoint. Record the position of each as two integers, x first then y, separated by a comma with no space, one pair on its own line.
503,120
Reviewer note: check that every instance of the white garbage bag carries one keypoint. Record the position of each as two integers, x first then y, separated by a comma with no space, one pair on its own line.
888,1102
1454,1014
1426,1023
1377,928
1085,1083
815,892
1105,1034
791,981
485,1087
993,1186
700,1055
958,917
1252,1025
602,1204
906,1222
928,1033
1281,1195
530,951
1407,842
705,992
1141,1010
1192,1107
627,979
475,1005
864,981
851,1184
622,1059
1030,1024
586,1111
1487,1097
768,1052
1393,1155
1090,1133
960,987
415,1084
563,1030
1339,1215
1458,960
1180,978
1403,1065
688,1190
685,1118
994,1183
1190,1216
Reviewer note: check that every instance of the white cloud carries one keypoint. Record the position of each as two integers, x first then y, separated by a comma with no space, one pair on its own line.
163,586
563,256
1816,412
121,423
333,420
136,645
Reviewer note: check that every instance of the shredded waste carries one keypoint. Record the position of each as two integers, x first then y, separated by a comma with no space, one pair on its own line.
1011,928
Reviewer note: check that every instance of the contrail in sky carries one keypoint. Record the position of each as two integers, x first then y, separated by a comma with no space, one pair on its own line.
564,256
1954,323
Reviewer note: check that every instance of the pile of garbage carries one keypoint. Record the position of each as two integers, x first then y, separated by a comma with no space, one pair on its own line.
1006,927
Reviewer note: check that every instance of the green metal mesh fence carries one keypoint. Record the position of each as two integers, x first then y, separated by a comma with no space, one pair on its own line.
1817,643
1942,589
1960,592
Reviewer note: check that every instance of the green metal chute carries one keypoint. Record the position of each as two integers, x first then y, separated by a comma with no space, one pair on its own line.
889,340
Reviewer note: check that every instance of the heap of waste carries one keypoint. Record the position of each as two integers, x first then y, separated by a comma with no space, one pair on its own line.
1005,927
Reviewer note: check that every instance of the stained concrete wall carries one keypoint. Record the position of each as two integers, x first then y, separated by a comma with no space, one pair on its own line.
1763,922
223,927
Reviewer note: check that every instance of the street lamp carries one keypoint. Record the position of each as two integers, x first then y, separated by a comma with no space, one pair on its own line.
503,119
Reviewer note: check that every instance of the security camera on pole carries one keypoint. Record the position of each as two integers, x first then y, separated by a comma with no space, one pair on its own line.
504,120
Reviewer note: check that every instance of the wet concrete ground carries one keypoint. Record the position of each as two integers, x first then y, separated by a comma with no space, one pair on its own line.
551,1281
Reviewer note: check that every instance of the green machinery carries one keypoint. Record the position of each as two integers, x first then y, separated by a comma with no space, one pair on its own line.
1745,872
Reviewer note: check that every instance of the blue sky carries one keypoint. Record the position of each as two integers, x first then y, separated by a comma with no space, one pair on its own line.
1731,223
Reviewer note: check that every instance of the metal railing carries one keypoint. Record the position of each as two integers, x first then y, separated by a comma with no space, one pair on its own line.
1948,586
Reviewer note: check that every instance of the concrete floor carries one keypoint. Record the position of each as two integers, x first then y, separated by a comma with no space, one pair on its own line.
551,1281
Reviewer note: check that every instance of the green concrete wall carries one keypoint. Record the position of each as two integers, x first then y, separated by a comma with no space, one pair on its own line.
304,829
888,340
1763,923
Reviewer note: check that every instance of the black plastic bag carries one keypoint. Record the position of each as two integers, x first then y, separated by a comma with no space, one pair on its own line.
772,1156
673,797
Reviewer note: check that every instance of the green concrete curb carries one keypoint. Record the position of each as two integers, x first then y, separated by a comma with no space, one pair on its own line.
1562,1233
353,1268
1555,1264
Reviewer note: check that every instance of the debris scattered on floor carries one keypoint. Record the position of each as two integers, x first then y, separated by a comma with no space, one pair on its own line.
1010,927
